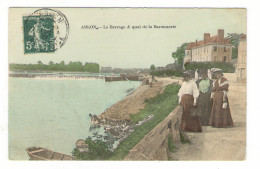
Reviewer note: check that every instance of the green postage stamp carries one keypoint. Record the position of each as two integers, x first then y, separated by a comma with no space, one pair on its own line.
44,31
38,34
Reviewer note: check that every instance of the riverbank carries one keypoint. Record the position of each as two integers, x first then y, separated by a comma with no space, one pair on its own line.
140,111
122,118
155,111
158,107
133,103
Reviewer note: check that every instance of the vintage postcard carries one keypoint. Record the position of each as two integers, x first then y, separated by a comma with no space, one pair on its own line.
135,84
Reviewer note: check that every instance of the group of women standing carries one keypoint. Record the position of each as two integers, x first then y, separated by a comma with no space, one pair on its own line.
208,98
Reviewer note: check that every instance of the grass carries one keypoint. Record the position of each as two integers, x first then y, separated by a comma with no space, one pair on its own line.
183,139
160,106
171,145
160,103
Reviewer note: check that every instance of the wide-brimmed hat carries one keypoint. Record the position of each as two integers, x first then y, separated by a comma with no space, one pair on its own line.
215,70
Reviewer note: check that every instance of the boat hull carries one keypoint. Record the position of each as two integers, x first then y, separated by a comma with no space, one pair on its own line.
38,153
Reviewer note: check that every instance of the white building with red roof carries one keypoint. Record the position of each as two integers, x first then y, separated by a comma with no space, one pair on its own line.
210,49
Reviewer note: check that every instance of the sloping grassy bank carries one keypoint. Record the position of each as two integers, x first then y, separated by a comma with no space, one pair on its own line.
160,106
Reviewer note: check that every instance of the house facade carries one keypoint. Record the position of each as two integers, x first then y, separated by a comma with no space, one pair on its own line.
210,49
241,60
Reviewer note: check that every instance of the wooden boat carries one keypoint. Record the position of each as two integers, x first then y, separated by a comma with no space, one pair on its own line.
38,153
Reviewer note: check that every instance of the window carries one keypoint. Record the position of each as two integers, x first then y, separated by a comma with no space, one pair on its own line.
225,49
225,59
215,48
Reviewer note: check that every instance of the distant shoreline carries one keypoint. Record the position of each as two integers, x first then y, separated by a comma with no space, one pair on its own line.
108,77
50,71
56,75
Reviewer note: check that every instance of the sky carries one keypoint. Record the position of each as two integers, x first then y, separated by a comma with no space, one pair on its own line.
127,48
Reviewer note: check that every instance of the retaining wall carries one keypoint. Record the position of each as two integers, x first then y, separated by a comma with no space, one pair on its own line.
154,146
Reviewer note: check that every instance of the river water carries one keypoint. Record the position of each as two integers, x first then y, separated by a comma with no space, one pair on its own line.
54,114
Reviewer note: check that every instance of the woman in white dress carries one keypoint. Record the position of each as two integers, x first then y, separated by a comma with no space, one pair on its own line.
188,95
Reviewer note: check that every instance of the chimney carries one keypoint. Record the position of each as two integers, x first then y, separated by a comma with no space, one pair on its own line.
220,37
206,37
243,37
196,42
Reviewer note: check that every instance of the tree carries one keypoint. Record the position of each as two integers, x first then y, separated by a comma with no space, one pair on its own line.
152,67
61,66
91,67
180,53
234,39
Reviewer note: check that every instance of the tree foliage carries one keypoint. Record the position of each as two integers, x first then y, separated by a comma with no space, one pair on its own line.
71,66
98,150
226,67
234,39
152,67
180,53
165,73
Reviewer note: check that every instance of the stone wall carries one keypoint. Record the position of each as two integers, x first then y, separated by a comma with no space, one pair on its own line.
154,146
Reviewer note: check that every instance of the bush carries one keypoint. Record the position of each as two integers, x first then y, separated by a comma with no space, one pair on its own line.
98,150
226,67
177,73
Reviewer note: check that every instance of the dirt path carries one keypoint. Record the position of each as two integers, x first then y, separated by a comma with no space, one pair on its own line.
219,143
